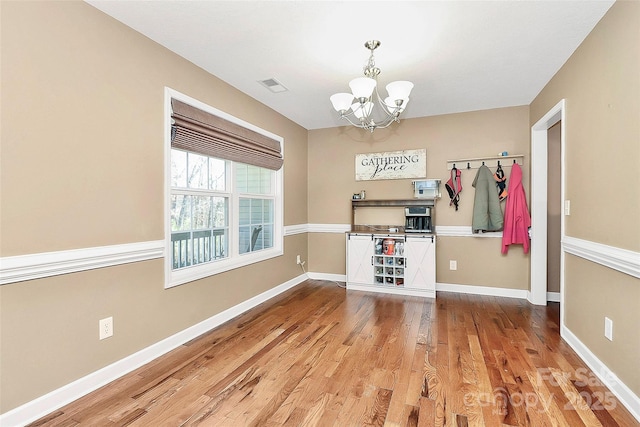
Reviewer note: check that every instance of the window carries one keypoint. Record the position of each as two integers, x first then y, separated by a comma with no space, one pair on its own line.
222,213
199,209
256,208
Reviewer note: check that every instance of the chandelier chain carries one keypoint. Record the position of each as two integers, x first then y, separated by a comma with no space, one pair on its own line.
370,70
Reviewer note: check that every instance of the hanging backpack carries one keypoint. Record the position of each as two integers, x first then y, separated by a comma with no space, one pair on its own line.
501,182
454,186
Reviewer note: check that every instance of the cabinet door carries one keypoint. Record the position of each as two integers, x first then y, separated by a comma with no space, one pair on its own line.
359,256
420,271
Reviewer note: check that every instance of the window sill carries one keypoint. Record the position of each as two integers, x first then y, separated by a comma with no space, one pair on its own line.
190,274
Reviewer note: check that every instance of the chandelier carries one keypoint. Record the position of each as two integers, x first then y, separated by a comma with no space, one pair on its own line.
365,93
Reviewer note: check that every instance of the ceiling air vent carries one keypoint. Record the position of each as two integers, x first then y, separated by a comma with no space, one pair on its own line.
273,85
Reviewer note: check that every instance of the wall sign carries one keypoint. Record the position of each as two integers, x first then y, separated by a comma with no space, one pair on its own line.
391,165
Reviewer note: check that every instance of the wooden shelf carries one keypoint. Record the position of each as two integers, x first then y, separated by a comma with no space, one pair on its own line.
490,162
391,203
386,203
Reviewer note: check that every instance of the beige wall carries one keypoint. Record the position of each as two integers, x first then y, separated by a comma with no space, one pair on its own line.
601,85
87,171
594,292
82,166
454,136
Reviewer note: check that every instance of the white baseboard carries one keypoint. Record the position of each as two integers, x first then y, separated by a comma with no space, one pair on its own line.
553,296
328,276
423,293
497,292
624,394
48,403
482,290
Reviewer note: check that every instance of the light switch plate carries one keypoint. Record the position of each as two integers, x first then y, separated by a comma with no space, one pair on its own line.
608,328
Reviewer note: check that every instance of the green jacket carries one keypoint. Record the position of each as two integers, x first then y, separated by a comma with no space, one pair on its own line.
487,214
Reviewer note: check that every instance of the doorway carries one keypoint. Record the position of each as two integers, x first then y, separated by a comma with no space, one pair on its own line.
554,212
539,203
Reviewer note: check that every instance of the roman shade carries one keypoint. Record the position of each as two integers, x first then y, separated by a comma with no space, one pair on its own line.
196,130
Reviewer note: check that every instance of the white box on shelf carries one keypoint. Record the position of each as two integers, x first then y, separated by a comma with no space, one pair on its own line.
426,189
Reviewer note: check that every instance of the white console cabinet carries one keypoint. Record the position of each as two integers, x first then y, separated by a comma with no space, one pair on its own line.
392,263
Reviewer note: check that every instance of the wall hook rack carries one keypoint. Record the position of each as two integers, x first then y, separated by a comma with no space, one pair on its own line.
490,162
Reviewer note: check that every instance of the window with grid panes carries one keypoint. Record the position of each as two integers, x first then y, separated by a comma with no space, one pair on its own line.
222,215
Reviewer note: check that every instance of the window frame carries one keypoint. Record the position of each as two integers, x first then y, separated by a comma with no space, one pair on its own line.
235,259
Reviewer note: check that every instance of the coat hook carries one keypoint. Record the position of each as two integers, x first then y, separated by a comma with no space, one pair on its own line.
498,163
482,163
514,161
468,165
454,166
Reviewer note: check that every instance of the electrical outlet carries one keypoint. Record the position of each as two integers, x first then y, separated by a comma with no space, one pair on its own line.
298,260
106,327
608,328
453,264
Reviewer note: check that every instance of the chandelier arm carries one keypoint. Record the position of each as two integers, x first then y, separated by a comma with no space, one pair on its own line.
393,116
370,125
366,122
386,124
356,124
385,109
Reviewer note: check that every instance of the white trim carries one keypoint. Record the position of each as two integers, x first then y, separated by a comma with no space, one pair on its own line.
328,228
182,276
482,290
328,276
463,231
415,292
290,230
622,260
35,266
624,394
48,403
539,153
553,296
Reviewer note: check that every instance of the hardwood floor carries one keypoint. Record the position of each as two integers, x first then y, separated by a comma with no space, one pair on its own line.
319,355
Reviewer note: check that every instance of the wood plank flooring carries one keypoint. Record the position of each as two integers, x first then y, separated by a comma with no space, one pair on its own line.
321,355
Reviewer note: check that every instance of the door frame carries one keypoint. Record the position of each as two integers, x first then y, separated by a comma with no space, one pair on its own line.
539,152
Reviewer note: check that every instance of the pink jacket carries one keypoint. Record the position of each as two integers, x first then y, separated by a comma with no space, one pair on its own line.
516,214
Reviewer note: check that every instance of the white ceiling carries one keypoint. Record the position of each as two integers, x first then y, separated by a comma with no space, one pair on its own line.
461,55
